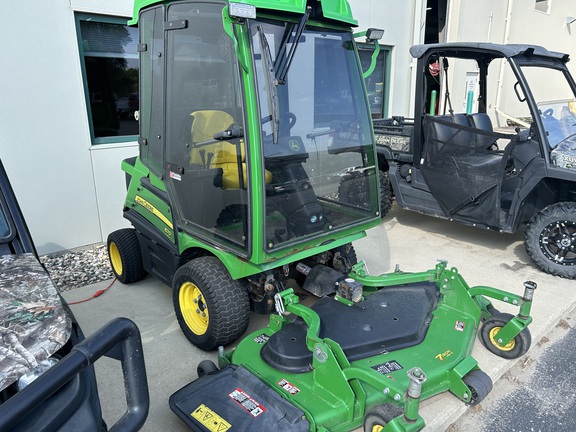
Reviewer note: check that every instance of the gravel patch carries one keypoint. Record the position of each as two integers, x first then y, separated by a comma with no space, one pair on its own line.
78,267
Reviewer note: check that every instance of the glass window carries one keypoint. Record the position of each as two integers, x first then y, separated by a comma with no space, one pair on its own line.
5,230
543,5
109,54
376,82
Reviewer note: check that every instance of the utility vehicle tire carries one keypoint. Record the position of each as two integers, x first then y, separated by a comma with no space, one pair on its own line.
379,416
480,385
385,193
232,214
550,239
125,255
515,348
351,191
206,367
211,308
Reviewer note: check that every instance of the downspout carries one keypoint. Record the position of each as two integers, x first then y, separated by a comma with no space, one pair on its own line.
503,64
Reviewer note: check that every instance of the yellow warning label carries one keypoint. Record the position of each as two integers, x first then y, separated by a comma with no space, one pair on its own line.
153,210
212,421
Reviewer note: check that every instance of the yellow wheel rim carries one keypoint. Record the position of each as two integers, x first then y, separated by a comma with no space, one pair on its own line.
115,258
193,308
377,428
493,333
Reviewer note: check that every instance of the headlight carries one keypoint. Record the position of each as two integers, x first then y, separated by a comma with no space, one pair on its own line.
36,372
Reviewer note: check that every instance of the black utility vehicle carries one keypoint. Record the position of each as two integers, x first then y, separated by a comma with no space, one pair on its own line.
47,381
503,155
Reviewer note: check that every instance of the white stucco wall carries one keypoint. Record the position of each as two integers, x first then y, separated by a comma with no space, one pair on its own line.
403,25
44,133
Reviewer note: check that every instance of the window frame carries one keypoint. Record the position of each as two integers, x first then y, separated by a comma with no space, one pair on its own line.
107,19
385,51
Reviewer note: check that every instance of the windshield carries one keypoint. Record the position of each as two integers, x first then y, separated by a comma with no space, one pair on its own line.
556,102
316,136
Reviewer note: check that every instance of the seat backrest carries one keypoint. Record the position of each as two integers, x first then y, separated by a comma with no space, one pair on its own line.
206,123
480,121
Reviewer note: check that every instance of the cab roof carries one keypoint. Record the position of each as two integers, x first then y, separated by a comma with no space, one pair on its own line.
335,10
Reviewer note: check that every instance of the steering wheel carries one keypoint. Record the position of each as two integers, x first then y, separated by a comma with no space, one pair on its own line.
548,112
284,117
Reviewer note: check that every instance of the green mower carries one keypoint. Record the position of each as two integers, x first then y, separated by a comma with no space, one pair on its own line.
252,117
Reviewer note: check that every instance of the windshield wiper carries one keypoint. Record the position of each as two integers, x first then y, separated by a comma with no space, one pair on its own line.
271,83
284,61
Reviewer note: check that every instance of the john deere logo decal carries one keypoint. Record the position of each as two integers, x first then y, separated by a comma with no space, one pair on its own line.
294,145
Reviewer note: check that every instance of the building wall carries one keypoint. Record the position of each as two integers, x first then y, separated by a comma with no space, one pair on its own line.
72,192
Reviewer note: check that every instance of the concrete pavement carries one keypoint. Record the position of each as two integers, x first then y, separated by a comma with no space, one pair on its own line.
412,241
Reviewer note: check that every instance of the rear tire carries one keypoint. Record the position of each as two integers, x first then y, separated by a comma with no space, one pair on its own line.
550,239
125,256
211,308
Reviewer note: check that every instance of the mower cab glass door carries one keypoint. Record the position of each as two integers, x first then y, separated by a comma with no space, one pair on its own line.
315,130
205,173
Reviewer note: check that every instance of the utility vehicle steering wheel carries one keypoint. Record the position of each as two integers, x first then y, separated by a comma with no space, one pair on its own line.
548,113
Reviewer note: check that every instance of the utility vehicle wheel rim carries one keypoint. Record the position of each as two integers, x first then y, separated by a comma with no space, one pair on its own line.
377,428
493,334
558,242
115,258
194,308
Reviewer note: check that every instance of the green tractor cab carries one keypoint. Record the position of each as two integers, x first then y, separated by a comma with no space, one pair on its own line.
249,124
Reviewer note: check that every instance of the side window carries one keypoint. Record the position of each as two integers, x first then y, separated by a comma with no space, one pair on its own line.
376,83
108,52
151,139
543,5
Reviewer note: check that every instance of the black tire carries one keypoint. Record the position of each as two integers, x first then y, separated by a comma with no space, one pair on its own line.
232,214
480,385
550,239
211,308
352,191
516,348
385,193
344,258
125,255
379,416
206,367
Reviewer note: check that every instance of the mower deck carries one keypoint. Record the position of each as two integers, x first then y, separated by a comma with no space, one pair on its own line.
336,361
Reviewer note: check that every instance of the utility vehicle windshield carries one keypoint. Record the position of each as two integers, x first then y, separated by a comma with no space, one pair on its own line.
556,102
315,131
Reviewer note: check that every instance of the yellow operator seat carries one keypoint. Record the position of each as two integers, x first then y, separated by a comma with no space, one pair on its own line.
221,154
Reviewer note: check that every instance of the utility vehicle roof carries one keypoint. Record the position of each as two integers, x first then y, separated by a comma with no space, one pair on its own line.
337,10
474,50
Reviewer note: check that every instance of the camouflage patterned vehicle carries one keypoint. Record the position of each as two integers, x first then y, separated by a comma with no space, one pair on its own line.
47,381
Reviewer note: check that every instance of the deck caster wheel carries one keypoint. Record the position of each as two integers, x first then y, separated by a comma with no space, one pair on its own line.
513,349
379,416
206,367
211,308
125,255
480,385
